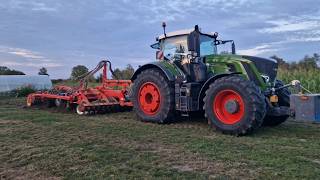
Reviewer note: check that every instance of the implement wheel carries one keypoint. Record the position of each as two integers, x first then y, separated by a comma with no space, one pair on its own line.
234,105
153,97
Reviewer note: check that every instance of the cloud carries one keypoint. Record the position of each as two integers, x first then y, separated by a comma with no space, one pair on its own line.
304,28
33,59
260,49
304,39
29,55
37,6
25,53
280,26
152,11
28,64
33,5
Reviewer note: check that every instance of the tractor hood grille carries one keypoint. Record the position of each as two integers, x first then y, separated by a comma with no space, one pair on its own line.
265,66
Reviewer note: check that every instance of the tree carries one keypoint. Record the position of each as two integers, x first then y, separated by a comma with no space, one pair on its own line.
281,63
123,74
317,58
307,63
6,71
43,71
78,71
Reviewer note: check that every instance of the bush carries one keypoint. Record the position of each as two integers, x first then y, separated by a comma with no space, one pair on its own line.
55,81
23,91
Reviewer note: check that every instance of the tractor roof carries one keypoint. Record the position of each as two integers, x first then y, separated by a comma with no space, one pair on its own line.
179,33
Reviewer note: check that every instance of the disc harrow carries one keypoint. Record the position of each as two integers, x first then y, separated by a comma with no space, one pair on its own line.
110,96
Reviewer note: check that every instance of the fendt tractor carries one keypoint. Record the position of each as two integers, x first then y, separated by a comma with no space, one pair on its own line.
237,93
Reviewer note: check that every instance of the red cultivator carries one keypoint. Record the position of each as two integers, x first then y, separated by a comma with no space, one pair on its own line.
110,95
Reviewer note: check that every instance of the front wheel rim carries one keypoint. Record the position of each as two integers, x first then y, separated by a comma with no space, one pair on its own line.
224,113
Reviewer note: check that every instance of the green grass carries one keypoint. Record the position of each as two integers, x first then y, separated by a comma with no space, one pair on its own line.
41,144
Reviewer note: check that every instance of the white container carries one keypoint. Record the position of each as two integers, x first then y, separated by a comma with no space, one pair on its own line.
12,82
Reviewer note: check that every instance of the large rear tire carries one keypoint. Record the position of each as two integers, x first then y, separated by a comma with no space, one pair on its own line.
153,97
234,105
284,100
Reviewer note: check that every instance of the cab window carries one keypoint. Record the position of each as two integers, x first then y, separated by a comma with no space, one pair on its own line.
207,46
174,45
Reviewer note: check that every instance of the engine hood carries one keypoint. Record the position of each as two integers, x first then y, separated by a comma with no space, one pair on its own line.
265,66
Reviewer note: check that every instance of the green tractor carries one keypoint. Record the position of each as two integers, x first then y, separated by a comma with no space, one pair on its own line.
236,93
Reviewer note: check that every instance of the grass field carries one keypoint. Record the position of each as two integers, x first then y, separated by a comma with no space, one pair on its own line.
46,144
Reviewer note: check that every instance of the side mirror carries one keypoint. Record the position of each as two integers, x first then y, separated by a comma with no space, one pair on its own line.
155,45
233,48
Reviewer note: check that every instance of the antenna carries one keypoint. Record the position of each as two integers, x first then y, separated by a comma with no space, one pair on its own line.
164,28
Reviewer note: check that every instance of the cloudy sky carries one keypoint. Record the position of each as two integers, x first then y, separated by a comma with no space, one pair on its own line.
59,34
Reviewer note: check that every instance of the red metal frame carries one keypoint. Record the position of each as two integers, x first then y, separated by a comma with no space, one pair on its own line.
109,92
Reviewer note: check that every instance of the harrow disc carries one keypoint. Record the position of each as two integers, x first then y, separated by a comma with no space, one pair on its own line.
81,110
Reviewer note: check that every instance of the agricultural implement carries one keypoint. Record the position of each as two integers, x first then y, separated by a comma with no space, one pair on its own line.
110,95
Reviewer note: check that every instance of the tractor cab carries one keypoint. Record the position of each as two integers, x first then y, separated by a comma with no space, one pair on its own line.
188,49
188,44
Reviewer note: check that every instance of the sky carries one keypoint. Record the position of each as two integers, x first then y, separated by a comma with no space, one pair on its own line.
60,34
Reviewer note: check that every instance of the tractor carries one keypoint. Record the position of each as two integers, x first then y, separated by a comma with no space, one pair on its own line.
236,93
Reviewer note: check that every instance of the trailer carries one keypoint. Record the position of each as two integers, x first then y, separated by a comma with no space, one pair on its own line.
110,95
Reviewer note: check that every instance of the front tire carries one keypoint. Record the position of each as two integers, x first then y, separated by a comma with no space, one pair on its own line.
153,97
234,105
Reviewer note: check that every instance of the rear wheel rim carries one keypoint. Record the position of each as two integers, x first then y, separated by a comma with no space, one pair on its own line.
149,98
221,111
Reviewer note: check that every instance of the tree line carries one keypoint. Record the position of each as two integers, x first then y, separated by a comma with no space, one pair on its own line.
80,70
7,71
76,72
307,63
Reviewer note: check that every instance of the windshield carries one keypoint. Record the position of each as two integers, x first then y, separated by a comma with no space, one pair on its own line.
207,46
174,45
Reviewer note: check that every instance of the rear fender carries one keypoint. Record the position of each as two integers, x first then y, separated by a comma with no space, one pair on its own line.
168,69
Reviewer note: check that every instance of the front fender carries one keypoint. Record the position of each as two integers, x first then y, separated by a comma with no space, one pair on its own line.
169,70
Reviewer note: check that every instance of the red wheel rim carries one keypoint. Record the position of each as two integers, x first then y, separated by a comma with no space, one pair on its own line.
220,107
149,98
